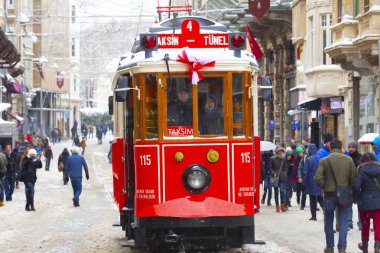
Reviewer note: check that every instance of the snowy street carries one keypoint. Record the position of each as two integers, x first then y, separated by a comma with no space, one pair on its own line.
57,226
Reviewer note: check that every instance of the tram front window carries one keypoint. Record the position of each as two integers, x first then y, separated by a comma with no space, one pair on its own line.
180,103
210,106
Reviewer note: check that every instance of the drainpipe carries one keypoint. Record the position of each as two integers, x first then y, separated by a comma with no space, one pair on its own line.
355,8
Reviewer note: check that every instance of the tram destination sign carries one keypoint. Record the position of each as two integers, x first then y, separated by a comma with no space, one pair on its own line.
192,38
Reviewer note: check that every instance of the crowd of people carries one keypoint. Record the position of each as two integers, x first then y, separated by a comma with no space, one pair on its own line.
332,177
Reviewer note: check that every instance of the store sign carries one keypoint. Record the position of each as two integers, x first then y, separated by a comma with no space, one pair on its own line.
332,105
60,80
271,125
191,37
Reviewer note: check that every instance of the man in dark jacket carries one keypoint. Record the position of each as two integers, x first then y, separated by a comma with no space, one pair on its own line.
3,172
10,177
356,156
308,173
48,157
345,173
265,167
74,166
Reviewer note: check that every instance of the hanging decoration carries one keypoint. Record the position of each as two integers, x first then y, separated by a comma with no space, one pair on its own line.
194,65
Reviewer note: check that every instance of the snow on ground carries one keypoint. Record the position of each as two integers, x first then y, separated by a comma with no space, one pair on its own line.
57,226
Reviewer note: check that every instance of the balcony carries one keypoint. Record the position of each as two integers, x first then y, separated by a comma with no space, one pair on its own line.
325,81
343,50
368,35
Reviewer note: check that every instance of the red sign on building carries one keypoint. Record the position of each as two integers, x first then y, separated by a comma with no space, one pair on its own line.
60,80
191,37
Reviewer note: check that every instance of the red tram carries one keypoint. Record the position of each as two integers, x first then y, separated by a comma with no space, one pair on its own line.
186,161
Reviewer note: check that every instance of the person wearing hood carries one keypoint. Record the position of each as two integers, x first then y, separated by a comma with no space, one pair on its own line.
285,180
210,119
63,159
376,147
29,171
308,173
276,165
367,190
299,162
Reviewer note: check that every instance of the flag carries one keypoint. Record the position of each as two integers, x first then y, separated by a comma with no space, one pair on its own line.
39,68
255,48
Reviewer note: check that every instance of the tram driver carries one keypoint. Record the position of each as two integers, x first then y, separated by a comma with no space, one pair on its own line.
180,111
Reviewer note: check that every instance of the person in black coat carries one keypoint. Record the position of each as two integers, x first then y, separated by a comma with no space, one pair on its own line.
29,173
48,157
367,192
265,173
63,159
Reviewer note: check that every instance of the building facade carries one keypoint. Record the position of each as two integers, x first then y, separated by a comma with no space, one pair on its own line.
356,34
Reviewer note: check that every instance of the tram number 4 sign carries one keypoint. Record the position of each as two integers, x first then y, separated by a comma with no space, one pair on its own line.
191,37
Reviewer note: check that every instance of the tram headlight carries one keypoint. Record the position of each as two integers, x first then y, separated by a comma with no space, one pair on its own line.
196,179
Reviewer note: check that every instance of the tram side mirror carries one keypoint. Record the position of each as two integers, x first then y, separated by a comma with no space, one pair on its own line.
110,105
121,89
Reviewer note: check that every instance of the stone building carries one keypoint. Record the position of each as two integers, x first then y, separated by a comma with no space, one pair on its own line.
355,37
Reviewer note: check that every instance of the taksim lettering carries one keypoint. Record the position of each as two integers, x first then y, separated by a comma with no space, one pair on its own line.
168,41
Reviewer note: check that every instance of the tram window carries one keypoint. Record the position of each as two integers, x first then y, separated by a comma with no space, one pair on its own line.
179,106
210,106
138,105
151,108
237,104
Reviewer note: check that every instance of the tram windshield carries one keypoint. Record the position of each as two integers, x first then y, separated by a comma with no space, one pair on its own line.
209,105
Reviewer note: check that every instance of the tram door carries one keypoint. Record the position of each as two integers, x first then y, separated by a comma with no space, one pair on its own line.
129,156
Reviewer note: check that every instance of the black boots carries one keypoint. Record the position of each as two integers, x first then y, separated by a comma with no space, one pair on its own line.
29,205
75,202
363,246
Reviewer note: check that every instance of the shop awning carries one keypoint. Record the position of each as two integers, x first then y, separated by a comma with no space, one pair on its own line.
311,104
9,56
15,116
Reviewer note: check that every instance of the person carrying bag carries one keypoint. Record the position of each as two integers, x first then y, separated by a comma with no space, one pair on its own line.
276,164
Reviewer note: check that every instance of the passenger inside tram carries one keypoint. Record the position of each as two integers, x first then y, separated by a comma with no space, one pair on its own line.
180,109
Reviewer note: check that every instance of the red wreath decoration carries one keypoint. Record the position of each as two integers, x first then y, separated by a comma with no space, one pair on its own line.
194,65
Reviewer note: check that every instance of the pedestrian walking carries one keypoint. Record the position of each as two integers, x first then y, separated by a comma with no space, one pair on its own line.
308,173
63,159
339,168
83,144
29,175
15,160
265,158
109,155
48,156
285,181
10,177
367,191
356,156
3,172
376,147
76,141
299,162
277,164
74,166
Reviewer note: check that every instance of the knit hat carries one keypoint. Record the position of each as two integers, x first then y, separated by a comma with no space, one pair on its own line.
32,151
298,150
327,137
75,150
353,144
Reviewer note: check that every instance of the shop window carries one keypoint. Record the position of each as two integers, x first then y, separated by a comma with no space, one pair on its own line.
73,13
210,106
237,105
151,108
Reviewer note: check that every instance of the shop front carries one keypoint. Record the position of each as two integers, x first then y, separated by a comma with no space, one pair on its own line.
332,116
368,105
